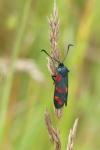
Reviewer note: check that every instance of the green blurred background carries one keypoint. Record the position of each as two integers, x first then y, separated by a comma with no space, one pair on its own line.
25,94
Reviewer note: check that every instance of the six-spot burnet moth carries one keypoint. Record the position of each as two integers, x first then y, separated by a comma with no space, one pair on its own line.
60,81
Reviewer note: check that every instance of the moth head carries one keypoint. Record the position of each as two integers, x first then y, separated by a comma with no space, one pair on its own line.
62,69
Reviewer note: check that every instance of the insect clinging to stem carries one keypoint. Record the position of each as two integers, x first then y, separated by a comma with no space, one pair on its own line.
60,81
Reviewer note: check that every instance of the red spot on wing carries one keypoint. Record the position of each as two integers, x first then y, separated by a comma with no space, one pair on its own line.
58,78
61,90
58,100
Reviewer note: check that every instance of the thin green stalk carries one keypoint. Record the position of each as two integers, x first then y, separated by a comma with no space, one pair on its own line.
8,83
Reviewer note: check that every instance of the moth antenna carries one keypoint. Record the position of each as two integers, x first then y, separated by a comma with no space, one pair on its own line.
50,56
69,45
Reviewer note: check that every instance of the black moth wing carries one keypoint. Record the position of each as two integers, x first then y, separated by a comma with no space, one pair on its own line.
61,89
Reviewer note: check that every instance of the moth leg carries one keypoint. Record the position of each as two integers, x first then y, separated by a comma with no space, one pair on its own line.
53,78
66,103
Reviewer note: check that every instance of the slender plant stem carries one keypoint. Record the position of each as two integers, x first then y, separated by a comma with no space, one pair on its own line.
9,79
53,133
72,136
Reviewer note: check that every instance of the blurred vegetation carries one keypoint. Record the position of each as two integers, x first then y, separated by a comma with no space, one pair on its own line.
23,33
